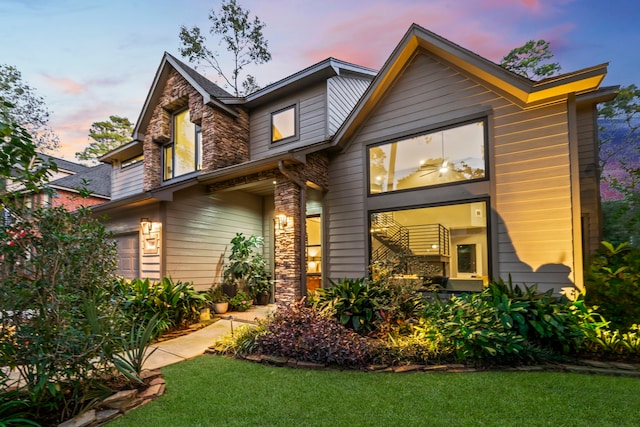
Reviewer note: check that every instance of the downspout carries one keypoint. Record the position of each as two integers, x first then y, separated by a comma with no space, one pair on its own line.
303,225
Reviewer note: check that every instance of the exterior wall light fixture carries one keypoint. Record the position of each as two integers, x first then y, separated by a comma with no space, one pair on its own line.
146,225
281,221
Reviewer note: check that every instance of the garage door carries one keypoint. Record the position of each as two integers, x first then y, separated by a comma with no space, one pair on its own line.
128,255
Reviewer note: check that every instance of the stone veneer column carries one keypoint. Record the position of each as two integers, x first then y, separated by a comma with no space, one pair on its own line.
288,250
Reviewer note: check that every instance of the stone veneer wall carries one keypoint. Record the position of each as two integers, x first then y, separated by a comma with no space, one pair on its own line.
225,139
289,249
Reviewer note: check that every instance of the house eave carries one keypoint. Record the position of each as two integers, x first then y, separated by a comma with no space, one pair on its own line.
75,191
520,90
123,152
248,168
321,71
153,95
136,199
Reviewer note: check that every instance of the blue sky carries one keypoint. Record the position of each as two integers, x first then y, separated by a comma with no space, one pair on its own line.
90,58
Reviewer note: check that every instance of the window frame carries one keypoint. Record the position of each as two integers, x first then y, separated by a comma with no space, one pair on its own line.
197,149
296,126
457,202
426,131
131,161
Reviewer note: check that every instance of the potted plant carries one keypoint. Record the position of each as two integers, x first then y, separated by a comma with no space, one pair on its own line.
241,302
219,300
261,289
244,263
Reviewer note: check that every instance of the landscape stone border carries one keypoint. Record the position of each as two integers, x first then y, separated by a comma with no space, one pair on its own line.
593,367
121,402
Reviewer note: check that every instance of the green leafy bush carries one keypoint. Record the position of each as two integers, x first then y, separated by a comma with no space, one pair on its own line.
174,304
303,333
542,319
243,341
14,407
55,268
240,302
135,349
413,348
354,302
471,326
613,284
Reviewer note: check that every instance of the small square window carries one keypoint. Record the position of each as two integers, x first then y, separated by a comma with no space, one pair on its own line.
283,124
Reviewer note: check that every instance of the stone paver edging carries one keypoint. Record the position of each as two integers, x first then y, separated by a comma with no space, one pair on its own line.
593,367
121,402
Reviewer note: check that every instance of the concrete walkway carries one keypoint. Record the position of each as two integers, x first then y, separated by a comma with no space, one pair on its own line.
195,343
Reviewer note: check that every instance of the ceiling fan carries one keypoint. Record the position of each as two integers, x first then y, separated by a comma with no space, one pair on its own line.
436,167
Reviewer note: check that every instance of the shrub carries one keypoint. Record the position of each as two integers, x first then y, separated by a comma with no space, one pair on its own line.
305,334
414,348
55,268
14,407
243,341
240,302
470,325
366,306
613,284
174,304
542,319
354,302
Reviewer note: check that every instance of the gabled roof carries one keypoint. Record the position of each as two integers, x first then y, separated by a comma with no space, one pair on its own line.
210,91
206,84
320,71
98,178
123,152
522,91
64,165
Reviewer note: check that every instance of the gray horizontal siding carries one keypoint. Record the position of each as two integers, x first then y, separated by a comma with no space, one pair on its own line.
312,120
342,95
199,229
126,182
529,160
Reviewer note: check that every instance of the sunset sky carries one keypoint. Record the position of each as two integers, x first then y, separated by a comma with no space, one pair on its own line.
90,59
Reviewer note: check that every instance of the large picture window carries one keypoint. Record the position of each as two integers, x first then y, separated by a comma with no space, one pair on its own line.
184,154
443,245
441,157
283,124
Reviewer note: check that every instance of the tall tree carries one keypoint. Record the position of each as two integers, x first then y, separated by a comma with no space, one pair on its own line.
19,161
241,36
29,109
531,60
619,142
619,133
107,135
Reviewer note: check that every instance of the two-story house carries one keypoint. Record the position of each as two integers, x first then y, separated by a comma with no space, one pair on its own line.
442,161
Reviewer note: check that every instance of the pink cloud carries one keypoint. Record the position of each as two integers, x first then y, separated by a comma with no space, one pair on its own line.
66,85
72,126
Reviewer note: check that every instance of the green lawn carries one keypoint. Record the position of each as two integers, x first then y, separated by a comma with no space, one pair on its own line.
217,391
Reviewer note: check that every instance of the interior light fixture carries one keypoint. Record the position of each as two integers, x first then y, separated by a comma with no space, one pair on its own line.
445,167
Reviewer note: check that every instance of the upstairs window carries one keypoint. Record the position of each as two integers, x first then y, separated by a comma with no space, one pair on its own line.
283,124
132,161
445,156
184,154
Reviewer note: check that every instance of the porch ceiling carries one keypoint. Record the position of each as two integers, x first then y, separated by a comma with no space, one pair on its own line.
261,188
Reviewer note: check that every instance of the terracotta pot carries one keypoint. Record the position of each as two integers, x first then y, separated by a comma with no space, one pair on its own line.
220,307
